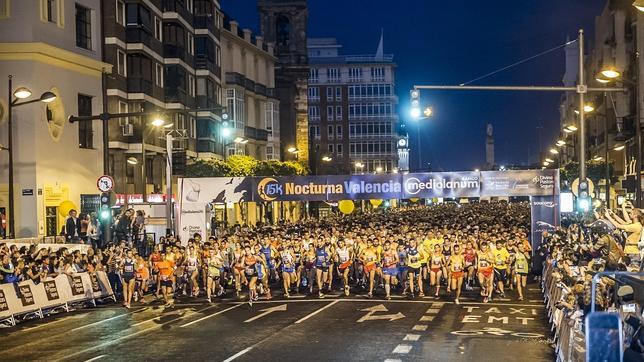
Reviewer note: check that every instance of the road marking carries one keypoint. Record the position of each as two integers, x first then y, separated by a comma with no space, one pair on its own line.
412,337
157,318
378,301
108,319
438,304
96,358
212,315
427,318
78,316
402,349
317,311
379,308
392,360
419,327
297,296
267,311
433,311
238,354
117,340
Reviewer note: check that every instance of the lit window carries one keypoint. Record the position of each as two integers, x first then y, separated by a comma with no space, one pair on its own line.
120,12
159,75
121,63
158,29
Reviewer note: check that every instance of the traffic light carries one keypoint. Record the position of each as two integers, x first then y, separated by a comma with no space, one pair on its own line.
583,196
179,159
415,104
105,213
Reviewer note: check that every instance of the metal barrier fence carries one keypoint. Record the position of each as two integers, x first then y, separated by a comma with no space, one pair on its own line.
569,338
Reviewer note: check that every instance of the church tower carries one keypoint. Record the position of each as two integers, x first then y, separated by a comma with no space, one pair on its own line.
284,23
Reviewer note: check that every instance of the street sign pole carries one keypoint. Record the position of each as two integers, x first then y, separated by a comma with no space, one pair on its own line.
168,182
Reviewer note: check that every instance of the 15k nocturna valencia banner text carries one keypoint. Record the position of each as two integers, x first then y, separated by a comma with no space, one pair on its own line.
357,187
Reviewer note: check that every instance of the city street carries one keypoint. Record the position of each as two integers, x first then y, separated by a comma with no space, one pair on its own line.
334,328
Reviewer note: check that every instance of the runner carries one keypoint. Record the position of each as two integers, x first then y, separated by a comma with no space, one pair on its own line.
191,265
469,256
322,262
289,275
166,268
522,265
456,263
142,277
437,265
389,268
127,272
485,260
413,268
214,265
501,260
250,272
369,259
343,259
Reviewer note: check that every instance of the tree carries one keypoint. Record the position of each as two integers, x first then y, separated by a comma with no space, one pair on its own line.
595,171
243,166
207,168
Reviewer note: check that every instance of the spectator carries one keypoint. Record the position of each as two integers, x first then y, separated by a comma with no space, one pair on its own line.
72,227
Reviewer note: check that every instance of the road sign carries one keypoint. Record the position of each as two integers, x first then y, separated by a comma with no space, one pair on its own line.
105,183
267,311
379,308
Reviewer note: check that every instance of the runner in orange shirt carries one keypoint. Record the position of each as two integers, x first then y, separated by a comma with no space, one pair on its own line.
166,268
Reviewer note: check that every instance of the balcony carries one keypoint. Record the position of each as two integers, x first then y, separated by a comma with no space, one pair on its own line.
256,133
140,85
205,21
178,95
260,89
202,62
176,51
235,78
177,7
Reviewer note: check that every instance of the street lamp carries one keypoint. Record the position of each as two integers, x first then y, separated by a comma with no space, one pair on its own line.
19,93
379,169
588,108
619,147
327,159
554,151
639,5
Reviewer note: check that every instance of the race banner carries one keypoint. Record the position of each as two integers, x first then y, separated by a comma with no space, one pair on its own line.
192,219
544,211
441,184
215,189
520,183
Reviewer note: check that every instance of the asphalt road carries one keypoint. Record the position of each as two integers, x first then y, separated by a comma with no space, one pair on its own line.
331,329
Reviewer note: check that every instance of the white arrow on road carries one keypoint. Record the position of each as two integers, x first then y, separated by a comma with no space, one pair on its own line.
267,311
379,308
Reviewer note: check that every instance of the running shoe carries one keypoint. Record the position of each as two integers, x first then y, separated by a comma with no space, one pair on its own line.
346,291
456,301
321,295
485,300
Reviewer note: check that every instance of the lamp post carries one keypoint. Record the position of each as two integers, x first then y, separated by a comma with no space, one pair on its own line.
416,115
236,141
20,93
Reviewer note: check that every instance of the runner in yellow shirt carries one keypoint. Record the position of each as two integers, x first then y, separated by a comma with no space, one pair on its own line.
501,261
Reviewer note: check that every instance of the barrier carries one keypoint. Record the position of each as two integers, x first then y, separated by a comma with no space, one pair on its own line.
27,299
568,337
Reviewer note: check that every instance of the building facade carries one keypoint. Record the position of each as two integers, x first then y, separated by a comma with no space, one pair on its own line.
284,24
352,110
51,45
248,71
166,55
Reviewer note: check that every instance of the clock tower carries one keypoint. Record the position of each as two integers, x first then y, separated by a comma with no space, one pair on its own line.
284,23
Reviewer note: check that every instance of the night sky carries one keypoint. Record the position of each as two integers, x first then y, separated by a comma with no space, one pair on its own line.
452,42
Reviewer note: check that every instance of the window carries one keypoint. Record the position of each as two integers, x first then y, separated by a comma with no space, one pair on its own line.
378,74
329,93
338,149
355,74
83,27
120,12
283,30
121,63
52,11
329,131
51,220
314,132
191,84
123,108
158,80
338,132
329,113
85,132
314,113
269,153
191,44
314,93
218,55
158,29
330,147
189,5
192,128
314,75
338,93
338,113
4,9
333,75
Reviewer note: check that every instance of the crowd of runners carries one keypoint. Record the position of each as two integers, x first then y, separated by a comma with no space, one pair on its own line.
436,250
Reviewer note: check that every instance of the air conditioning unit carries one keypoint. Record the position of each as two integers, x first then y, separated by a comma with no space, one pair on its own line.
128,129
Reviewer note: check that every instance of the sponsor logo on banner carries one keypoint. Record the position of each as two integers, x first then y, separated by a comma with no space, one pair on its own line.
4,306
95,286
26,296
442,184
77,285
51,290
315,188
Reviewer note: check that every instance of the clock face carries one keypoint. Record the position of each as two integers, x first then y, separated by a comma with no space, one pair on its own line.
402,142
105,183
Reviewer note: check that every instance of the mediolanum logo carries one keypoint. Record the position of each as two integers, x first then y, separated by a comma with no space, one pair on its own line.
549,204
268,189
414,185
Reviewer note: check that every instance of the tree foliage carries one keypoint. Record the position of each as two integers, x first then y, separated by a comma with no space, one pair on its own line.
242,166
595,171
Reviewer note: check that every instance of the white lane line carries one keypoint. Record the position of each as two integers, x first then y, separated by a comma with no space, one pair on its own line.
316,300
433,311
157,318
296,296
419,327
426,318
48,324
238,354
316,312
412,337
212,315
402,349
96,358
107,320
438,304
392,360
117,340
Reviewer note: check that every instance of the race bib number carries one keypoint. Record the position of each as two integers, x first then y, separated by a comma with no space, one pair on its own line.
484,264
520,266
458,267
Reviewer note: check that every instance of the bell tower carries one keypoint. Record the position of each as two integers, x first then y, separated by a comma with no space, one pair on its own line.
284,23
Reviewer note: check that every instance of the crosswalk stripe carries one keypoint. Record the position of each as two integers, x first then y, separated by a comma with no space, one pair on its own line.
412,337
419,327
402,349
427,318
